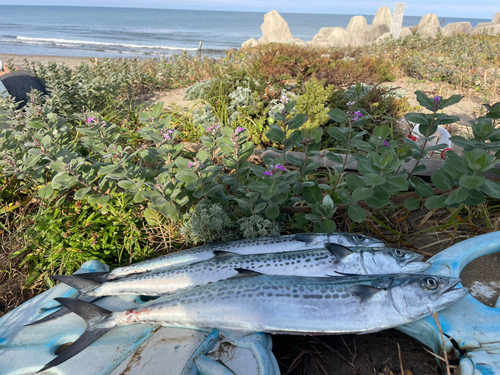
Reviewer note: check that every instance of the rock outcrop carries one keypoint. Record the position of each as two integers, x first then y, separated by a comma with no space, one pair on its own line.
275,29
428,26
372,33
356,23
457,28
252,42
496,18
493,29
383,17
336,37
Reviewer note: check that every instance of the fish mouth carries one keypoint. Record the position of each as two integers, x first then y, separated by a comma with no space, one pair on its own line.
451,286
416,258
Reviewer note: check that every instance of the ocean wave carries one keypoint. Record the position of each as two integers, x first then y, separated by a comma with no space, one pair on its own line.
76,43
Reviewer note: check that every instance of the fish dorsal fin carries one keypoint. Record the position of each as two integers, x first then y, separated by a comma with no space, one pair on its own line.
363,291
305,237
338,251
222,253
243,272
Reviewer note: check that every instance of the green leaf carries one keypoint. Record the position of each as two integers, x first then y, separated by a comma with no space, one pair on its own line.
297,121
472,182
441,181
354,181
272,211
108,169
395,184
412,204
125,184
457,196
455,168
356,213
424,190
418,118
186,176
378,200
153,218
46,192
313,218
424,100
99,199
491,189
337,134
259,207
312,194
373,179
475,198
436,201
202,155
362,193
269,191
328,226
462,142
338,116
381,131
275,134
80,194
36,123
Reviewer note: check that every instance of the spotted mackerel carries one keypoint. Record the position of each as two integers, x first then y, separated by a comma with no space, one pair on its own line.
333,260
276,244
279,304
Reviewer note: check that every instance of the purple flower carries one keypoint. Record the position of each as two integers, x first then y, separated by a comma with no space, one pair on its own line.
284,99
268,173
239,130
170,131
437,99
357,115
274,169
190,164
196,164
166,136
386,143
213,128
90,119
280,166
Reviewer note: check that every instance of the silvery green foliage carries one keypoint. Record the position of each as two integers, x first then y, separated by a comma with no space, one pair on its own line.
208,223
197,91
205,115
358,91
258,226
240,97
276,106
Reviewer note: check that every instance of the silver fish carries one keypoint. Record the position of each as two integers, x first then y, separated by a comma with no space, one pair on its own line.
276,244
334,260
280,304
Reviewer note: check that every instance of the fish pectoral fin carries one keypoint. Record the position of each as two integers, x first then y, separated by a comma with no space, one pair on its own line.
243,272
338,251
222,253
363,291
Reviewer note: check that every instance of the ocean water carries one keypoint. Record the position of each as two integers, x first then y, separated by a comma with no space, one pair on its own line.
126,32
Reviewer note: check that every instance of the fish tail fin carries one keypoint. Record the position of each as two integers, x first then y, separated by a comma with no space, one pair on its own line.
95,276
89,312
82,284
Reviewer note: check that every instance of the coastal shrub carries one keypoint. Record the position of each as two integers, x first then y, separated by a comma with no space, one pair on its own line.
66,234
197,90
257,226
208,223
313,103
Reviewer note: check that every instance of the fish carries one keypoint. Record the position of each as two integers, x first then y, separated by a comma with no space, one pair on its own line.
295,305
264,245
333,260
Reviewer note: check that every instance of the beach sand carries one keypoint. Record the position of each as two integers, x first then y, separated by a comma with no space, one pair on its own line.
69,61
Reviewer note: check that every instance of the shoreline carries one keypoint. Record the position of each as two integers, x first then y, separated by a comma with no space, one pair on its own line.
70,61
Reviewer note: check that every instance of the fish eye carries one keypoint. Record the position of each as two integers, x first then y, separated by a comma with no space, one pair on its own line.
360,237
398,252
430,283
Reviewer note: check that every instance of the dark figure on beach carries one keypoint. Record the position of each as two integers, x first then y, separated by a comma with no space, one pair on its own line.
19,84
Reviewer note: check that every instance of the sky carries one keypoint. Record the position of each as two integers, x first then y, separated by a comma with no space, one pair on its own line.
451,8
